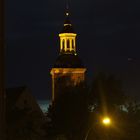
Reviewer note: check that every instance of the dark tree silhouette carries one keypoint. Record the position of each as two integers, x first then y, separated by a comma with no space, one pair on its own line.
78,110
69,112
107,98
24,124
106,93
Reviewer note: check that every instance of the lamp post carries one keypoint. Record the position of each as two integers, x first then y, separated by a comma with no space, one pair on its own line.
106,121
87,134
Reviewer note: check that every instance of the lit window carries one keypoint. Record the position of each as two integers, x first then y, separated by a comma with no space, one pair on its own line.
68,44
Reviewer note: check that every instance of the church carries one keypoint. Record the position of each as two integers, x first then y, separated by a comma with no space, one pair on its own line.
68,65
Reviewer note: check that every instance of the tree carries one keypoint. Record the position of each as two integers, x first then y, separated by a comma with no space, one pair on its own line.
69,113
132,119
107,98
78,111
106,93
24,124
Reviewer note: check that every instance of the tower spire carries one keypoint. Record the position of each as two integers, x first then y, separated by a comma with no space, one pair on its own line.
68,63
67,8
67,35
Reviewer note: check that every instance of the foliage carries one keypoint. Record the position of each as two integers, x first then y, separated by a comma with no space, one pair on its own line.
106,93
69,113
107,98
78,112
24,124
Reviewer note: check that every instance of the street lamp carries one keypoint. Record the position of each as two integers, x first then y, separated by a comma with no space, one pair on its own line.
106,121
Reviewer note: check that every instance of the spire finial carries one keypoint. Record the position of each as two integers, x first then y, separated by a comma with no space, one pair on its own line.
67,8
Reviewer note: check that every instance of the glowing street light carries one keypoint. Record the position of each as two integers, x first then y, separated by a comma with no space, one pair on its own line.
106,121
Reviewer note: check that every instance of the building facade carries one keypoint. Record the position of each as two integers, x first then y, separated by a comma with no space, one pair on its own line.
68,69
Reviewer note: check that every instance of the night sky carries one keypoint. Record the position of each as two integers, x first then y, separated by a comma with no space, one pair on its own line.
108,41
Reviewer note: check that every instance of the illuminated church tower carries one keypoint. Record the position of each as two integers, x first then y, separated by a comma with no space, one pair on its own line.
68,65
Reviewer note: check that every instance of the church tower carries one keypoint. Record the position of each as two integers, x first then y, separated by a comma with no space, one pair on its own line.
68,69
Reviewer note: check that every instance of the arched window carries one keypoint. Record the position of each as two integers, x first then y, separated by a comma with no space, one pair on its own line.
68,43
73,44
63,44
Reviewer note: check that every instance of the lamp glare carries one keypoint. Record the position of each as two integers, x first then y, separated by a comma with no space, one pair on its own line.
106,121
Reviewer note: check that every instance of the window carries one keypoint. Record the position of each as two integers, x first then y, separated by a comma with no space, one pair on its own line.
63,44
73,44
68,44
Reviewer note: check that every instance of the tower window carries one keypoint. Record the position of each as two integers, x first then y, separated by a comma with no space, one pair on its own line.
63,45
68,44
73,44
